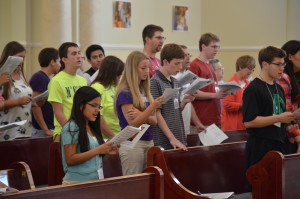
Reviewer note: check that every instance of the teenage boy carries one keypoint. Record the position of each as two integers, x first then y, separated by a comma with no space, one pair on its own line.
153,41
63,86
170,130
207,103
42,118
94,54
264,108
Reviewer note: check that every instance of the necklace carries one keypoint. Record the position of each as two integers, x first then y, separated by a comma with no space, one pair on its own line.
275,105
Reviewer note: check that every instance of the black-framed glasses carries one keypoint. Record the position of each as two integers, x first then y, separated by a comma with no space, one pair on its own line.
95,106
83,58
279,64
160,38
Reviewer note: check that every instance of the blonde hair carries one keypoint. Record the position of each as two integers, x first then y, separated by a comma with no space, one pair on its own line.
130,80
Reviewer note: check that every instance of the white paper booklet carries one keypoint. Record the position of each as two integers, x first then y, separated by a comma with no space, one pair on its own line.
10,64
196,85
93,77
40,97
12,125
129,131
168,94
185,78
297,112
213,136
84,75
224,195
231,86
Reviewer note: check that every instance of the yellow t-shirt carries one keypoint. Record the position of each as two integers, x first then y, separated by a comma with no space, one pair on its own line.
62,88
108,110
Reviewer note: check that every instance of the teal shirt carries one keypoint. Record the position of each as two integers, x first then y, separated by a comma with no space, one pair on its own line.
81,172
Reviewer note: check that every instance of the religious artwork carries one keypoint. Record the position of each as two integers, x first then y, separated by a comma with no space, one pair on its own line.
180,18
122,14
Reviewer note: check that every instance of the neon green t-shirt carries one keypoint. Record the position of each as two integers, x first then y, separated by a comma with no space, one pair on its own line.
108,110
62,88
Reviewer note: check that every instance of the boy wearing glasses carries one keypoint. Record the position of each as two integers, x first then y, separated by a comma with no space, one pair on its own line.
264,108
63,86
153,41
207,102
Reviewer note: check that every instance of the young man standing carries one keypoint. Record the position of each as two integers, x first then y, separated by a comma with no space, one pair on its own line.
42,118
207,103
63,86
264,108
170,132
153,41
94,54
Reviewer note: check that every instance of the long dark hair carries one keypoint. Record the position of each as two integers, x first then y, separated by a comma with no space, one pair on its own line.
10,49
111,68
291,48
82,96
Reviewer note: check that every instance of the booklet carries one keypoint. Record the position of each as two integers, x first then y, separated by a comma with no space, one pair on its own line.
230,87
185,78
122,137
297,112
10,64
168,94
12,125
93,77
213,136
196,85
40,97
223,195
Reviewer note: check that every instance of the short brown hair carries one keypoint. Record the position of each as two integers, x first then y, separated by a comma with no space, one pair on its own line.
149,31
269,53
206,38
171,51
245,61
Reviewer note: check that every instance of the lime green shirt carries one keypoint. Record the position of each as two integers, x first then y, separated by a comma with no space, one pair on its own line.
62,88
108,110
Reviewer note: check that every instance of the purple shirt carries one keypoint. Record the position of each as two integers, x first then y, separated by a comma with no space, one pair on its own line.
39,83
125,97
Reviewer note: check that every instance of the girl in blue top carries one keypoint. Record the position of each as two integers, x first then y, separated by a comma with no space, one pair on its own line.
81,139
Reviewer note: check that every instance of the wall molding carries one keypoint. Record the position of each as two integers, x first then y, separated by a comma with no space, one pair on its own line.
191,48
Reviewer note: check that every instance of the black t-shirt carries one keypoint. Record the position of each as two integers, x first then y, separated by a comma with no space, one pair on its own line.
257,101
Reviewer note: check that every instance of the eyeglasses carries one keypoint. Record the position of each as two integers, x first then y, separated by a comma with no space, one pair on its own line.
188,55
250,68
215,47
83,58
160,38
95,106
221,68
279,64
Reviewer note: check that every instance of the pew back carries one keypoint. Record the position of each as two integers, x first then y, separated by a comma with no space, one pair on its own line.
33,151
275,176
208,169
233,136
141,186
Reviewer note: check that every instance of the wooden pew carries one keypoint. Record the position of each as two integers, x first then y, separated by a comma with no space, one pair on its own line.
275,176
111,165
33,151
233,136
148,185
18,176
208,169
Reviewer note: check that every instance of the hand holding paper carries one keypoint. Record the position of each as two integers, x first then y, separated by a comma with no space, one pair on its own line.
230,87
213,136
196,85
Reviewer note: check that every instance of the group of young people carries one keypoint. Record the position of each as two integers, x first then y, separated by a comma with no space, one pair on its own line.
130,93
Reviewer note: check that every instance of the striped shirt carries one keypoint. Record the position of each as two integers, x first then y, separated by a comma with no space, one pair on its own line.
172,115
293,130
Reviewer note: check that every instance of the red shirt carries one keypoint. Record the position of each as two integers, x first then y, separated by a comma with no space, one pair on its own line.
232,115
154,65
208,111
